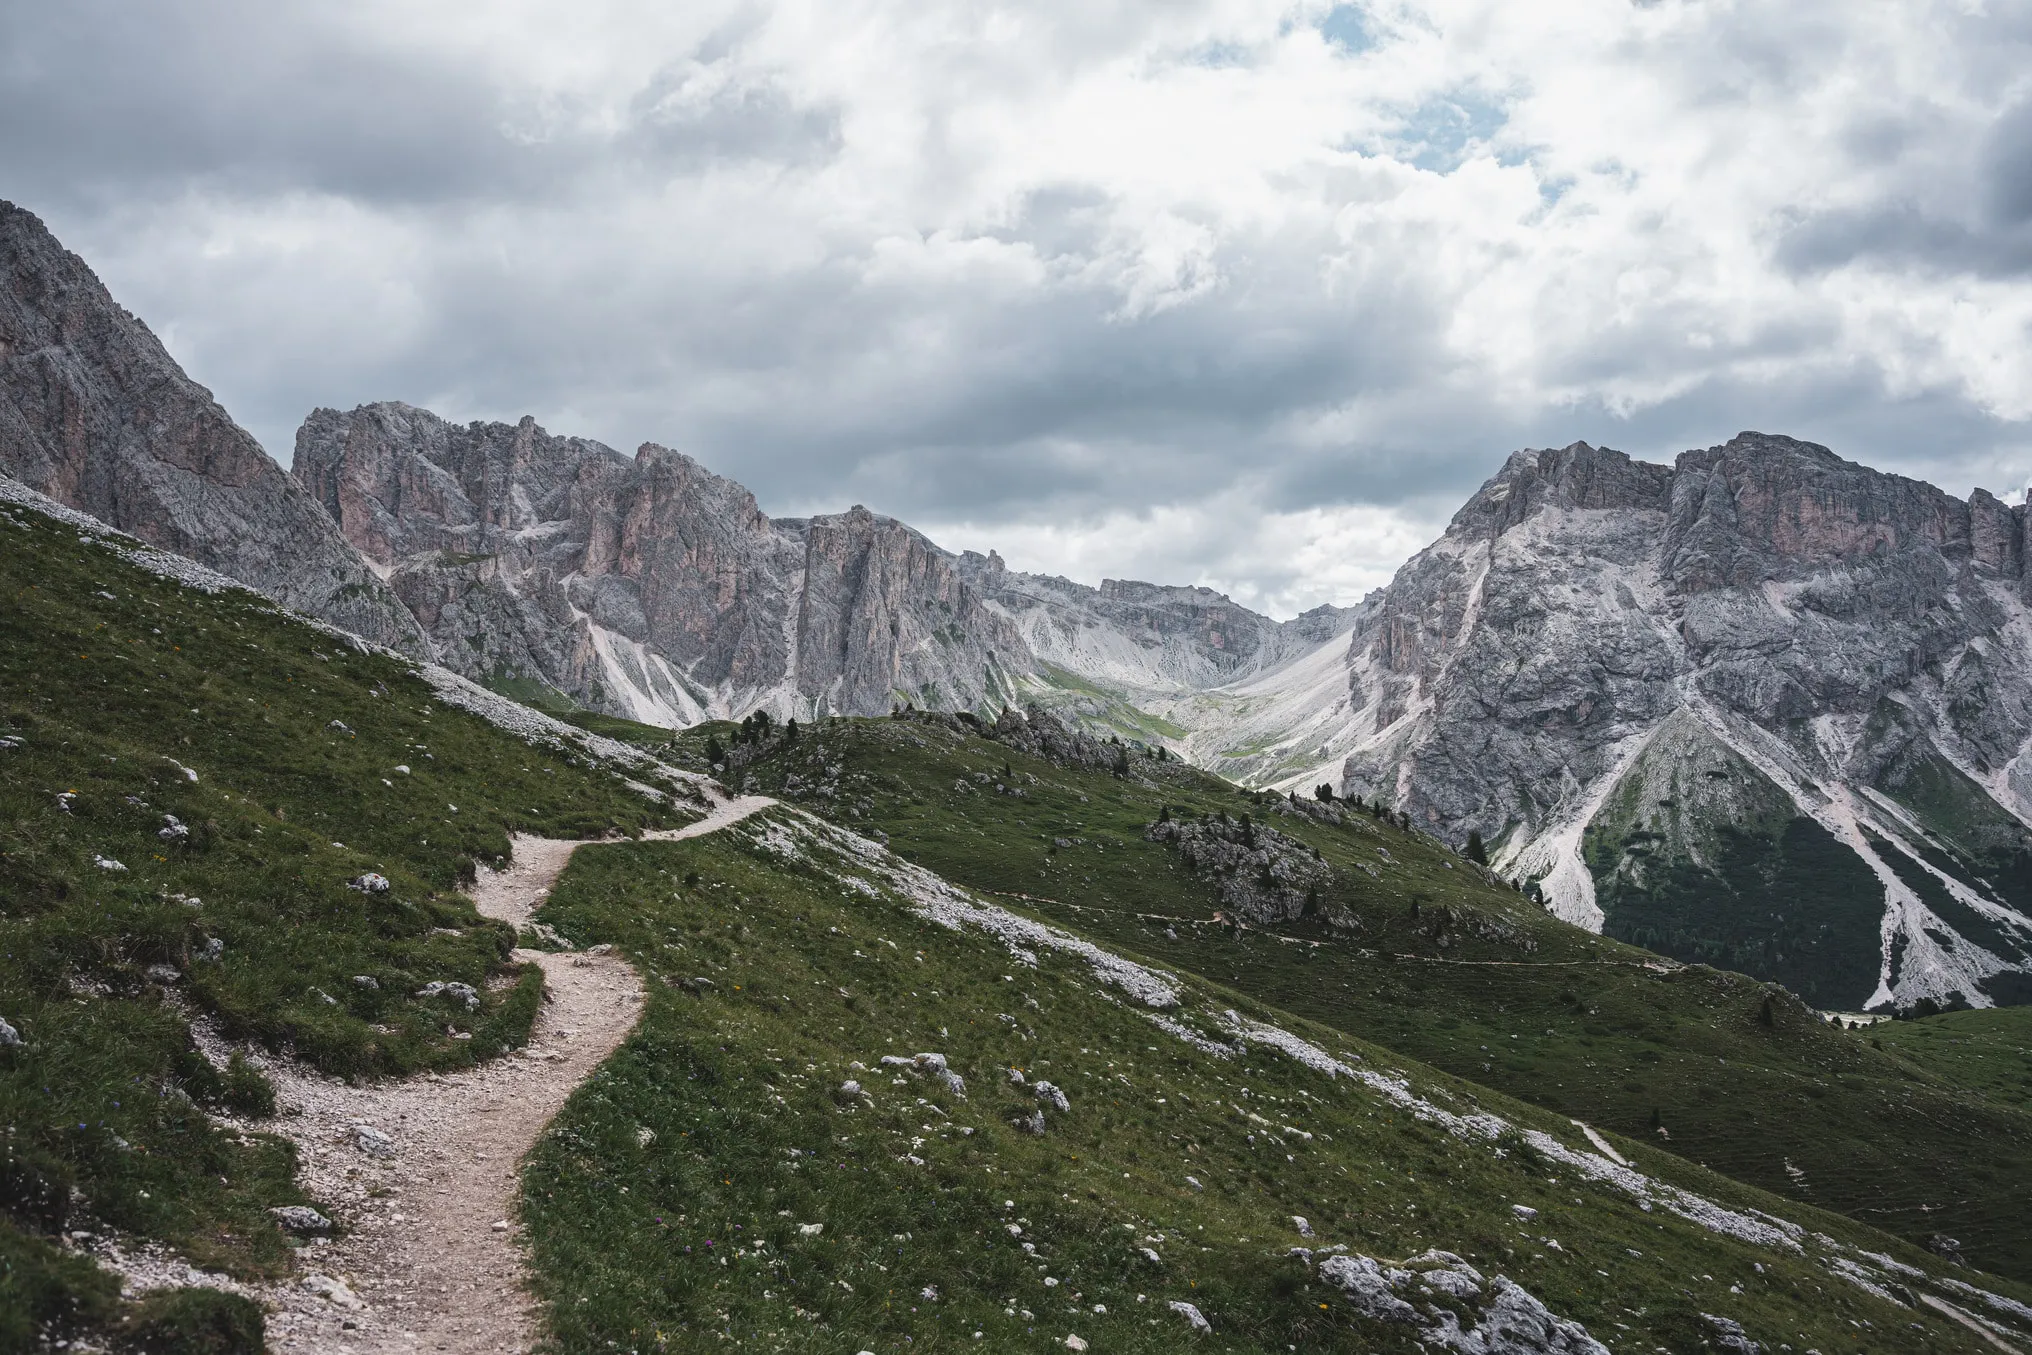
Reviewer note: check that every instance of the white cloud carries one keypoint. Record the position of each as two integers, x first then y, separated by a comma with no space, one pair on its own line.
1239,293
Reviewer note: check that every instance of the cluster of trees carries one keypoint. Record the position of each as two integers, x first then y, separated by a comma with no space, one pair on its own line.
756,729
1324,793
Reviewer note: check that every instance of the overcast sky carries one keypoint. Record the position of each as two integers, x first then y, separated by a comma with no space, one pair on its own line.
1244,294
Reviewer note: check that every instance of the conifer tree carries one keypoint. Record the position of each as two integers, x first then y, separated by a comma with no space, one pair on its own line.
1476,852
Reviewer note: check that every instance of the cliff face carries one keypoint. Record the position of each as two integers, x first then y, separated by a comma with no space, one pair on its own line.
97,415
1854,643
655,589
650,587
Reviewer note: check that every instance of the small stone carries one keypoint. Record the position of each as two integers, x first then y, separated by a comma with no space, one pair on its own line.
162,973
106,863
1194,1319
332,1290
301,1218
10,1038
1074,1343
500,1225
372,1141
1303,1225
370,883
366,981
1524,1211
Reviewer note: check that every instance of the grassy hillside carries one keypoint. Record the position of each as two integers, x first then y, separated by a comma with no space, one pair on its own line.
1474,980
1985,1052
189,783
748,1171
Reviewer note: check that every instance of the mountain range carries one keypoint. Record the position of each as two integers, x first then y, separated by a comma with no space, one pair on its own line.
1764,707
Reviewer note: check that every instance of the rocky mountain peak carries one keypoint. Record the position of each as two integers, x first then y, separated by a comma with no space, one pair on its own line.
96,414
1639,679
1577,476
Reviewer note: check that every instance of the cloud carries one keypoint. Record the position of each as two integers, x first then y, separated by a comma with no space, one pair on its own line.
1245,294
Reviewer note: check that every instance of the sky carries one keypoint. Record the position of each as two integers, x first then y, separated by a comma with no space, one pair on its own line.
1251,295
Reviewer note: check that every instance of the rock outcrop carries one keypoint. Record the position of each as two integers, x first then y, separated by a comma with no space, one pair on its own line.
1764,707
96,414
650,586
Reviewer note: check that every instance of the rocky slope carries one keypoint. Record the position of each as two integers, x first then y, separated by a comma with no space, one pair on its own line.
655,589
1763,707
1257,700
96,414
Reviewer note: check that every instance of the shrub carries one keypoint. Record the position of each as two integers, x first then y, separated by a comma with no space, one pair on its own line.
194,1322
247,1091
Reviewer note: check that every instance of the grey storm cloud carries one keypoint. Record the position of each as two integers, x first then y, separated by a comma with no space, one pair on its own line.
1081,280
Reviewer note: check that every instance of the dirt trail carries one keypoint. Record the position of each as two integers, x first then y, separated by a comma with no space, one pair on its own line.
432,1260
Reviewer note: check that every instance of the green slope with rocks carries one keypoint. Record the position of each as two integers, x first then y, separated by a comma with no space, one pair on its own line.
209,810
868,1111
1410,945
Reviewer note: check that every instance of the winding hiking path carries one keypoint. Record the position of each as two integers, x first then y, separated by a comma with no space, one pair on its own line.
432,1260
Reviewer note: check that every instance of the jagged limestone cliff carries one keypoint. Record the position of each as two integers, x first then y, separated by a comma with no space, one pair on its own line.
650,586
1764,707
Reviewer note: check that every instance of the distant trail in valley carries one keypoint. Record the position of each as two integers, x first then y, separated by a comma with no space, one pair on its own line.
432,1260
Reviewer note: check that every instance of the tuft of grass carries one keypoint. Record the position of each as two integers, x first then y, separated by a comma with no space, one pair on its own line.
193,1321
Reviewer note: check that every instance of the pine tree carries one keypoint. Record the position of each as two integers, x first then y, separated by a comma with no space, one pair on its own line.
1164,813
790,731
715,754
1323,793
1248,832
1476,852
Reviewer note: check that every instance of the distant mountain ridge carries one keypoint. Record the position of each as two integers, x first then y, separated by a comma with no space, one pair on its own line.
658,590
1763,707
